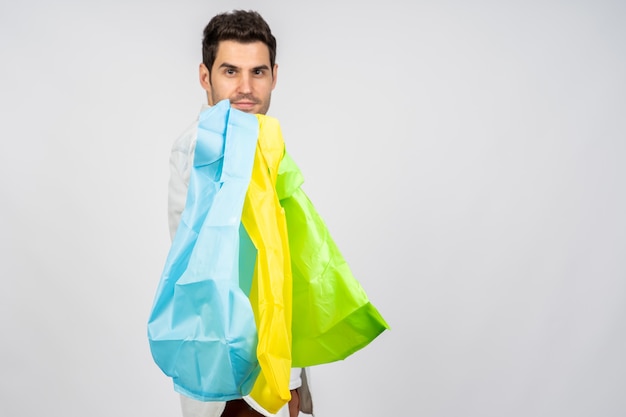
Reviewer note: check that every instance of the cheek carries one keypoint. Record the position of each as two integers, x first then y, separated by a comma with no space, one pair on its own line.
222,90
265,88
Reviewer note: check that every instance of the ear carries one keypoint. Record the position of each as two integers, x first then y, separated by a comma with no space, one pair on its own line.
205,80
275,75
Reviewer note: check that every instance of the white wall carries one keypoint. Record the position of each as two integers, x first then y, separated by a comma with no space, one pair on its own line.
467,156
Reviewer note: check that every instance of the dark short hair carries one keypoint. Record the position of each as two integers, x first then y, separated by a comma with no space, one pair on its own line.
237,25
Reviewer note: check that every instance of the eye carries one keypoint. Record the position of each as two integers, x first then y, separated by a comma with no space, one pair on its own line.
259,72
230,71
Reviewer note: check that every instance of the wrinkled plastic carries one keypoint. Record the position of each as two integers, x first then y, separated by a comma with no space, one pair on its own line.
270,295
332,315
201,330
253,284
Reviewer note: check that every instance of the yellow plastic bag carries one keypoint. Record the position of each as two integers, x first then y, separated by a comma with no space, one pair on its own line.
270,294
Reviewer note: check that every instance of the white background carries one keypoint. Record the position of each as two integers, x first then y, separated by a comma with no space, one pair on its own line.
467,156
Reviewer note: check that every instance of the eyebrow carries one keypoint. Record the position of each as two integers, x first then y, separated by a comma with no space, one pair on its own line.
231,66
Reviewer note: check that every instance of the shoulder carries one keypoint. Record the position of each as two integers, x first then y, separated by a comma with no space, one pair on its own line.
182,149
186,139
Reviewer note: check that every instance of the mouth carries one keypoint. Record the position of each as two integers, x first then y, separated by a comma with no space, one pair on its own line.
244,105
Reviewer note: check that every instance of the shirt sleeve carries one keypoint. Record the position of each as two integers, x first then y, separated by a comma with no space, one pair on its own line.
181,161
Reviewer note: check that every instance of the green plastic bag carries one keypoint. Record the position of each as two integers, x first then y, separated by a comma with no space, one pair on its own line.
332,315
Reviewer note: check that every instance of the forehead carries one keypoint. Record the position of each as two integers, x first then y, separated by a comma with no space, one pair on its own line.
244,55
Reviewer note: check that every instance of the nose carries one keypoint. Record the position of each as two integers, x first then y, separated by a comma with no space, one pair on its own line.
245,84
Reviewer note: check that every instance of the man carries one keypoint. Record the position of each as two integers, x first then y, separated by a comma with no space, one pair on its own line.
309,307
238,64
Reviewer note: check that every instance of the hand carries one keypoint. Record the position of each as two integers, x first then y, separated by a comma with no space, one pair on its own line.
294,403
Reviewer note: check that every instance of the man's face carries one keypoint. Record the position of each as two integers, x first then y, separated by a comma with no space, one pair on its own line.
241,73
